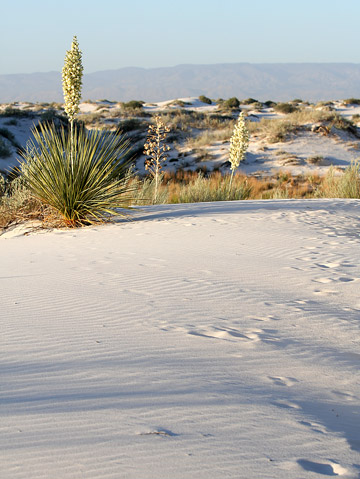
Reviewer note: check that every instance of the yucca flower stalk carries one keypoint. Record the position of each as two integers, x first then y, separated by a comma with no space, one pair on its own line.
156,149
239,143
72,81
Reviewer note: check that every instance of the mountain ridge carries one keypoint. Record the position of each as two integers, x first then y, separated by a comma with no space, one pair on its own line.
263,81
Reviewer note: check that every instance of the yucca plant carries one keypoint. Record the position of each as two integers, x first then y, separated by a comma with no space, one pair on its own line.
83,191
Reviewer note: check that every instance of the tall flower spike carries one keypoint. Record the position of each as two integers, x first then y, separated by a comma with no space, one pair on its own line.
72,79
239,143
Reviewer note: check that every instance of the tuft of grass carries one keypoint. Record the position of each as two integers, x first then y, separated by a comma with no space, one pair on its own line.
208,137
17,203
84,179
345,185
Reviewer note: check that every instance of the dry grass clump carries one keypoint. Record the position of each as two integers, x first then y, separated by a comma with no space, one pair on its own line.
274,131
208,137
18,205
345,185
191,187
316,160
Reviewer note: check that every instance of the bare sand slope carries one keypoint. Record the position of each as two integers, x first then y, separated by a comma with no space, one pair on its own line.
197,341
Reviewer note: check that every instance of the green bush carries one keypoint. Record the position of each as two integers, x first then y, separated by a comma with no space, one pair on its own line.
249,101
205,99
133,104
270,104
285,108
352,101
84,180
231,103
17,112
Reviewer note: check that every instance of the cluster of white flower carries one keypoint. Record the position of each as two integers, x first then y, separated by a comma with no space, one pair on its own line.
239,142
71,78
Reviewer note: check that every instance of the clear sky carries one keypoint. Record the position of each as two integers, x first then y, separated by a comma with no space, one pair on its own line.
35,34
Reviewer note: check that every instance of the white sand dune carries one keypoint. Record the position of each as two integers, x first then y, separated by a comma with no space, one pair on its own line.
197,341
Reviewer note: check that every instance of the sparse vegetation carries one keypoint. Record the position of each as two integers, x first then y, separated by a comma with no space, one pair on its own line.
194,135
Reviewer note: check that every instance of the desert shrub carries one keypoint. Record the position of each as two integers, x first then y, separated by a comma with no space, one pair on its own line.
284,108
52,115
133,104
315,160
11,122
355,118
205,99
83,177
89,118
352,101
16,202
344,124
16,112
130,125
5,151
257,106
7,134
231,103
249,101
270,104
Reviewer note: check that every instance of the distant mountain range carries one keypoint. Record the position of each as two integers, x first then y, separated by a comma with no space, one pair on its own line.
266,81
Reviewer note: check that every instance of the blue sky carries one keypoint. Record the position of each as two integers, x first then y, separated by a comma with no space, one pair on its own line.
156,33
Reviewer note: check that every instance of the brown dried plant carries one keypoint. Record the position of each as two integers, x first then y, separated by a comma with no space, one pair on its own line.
155,149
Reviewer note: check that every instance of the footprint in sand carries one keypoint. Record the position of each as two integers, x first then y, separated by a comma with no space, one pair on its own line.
330,468
314,426
264,318
325,292
348,396
323,280
283,381
286,404
227,334
328,265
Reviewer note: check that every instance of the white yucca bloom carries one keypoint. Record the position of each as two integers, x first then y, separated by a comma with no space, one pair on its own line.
239,143
71,78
